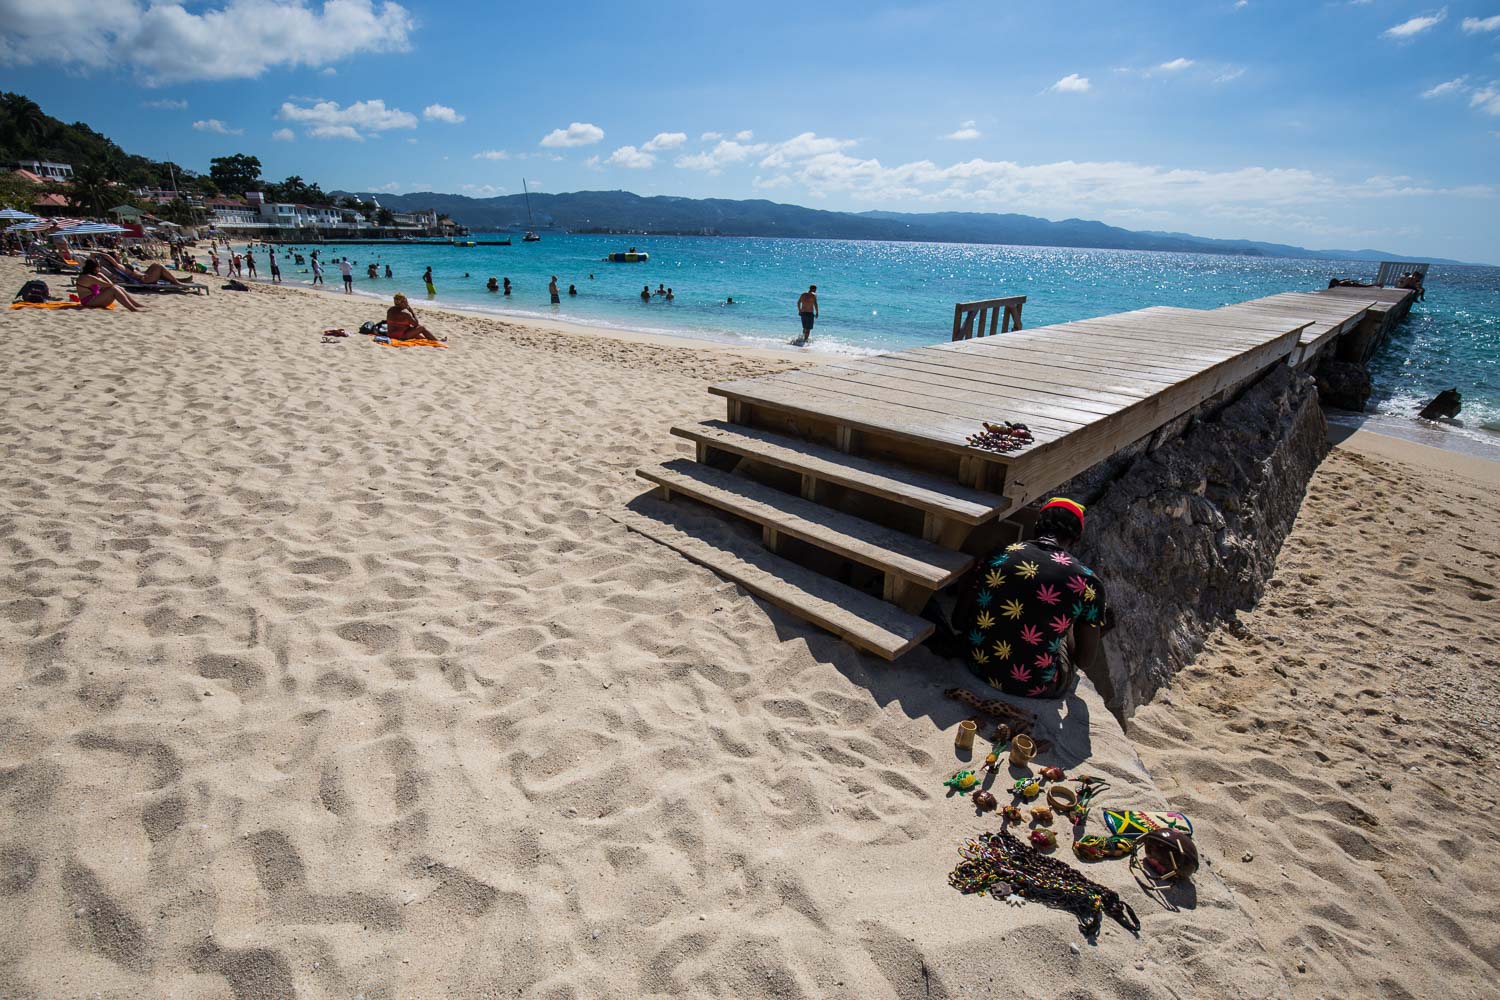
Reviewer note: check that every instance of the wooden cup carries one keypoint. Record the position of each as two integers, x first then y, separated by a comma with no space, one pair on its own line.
965,738
1022,749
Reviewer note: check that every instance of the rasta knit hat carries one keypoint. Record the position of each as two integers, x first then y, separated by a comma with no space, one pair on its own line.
1072,507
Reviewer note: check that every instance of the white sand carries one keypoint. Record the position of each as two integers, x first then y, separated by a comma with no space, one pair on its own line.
327,674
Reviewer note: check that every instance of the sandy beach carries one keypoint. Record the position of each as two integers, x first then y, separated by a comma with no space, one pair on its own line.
327,674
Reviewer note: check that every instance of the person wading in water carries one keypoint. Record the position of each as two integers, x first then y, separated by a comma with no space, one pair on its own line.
807,311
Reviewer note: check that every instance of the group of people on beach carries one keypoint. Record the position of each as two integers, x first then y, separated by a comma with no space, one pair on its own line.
103,277
105,273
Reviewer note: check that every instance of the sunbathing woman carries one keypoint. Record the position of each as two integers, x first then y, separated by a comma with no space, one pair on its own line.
124,271
95,291
401,323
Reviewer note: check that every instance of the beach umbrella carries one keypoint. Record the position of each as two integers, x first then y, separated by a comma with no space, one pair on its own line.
91,229
15,213
28,226
126,212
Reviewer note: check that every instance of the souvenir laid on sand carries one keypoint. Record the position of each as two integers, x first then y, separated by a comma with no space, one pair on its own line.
1000,864
1004,711
1165,856
1132,824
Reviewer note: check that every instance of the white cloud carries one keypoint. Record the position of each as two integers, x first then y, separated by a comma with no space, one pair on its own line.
1175,66
214,125
328,71
483,190
165,105
441,113
492,154
964,132
799,147
723,153
1487,99
1477,25
1241,4
1071,84
326,120
283,135
1230,74
629,156
165,42
1100,188
593,162
576,134
392,187
744,135
770,183
1416,25
665,140
1457,85
711,136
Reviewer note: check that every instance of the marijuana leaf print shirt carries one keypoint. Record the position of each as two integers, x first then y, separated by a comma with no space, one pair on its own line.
1018,612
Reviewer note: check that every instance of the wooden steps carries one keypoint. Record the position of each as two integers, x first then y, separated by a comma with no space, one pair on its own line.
893,553
863,621
936,496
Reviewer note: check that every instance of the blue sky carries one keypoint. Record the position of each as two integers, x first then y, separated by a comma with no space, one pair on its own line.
1373,123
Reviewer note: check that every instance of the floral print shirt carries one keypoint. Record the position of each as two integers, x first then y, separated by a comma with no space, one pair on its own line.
1018,614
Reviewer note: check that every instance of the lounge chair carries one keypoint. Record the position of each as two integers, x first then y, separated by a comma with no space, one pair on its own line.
132,283
50,262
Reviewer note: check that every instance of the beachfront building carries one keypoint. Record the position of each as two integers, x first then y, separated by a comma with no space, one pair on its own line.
233,214
46,170
424,220
253,215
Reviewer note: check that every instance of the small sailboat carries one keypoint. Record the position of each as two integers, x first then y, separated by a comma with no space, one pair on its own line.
531,236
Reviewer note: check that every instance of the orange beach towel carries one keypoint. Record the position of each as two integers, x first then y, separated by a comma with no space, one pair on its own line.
414,343
52,305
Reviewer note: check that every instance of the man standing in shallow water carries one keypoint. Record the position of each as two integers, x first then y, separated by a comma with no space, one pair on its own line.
807,310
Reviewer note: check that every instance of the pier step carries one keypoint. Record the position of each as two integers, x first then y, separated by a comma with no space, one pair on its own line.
863,621
894,553
929,494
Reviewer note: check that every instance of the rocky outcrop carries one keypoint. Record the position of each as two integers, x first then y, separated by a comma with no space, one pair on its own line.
1344,384
1185,531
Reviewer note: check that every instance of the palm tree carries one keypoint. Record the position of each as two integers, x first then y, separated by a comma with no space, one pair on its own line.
91,190
25,117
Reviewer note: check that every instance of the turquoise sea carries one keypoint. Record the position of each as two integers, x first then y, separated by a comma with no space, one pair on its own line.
884,296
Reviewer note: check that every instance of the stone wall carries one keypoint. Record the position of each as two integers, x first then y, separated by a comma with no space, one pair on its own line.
1184,527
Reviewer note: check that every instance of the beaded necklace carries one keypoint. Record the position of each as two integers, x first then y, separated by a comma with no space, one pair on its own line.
999,864
1005,436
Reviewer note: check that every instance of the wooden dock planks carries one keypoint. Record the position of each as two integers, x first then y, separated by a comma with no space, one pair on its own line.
1084,388
865,622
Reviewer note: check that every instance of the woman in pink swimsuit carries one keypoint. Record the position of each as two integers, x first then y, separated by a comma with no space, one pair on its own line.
95,291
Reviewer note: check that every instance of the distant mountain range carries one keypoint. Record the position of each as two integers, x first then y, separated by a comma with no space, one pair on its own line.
627,213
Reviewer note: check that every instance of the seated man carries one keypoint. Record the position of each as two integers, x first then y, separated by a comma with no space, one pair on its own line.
401,322
1031,615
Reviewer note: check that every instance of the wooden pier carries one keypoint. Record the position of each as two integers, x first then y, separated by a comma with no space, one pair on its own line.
861,469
